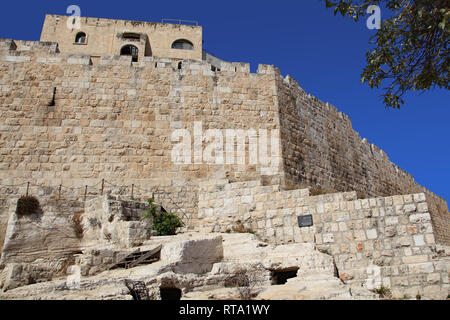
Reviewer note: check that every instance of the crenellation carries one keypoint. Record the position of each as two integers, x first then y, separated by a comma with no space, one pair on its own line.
72,120
268,69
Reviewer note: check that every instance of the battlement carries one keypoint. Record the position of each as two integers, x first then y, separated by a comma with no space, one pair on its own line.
94,115
48,52
74,119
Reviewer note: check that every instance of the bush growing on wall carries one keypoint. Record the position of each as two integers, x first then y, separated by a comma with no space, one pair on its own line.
164,223
27,206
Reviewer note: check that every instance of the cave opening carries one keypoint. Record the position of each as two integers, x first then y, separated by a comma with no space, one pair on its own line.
171,294
280,277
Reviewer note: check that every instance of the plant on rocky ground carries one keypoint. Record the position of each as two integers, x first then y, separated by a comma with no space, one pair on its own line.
383,292
164,223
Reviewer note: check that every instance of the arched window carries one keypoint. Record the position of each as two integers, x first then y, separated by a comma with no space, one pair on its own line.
130,50
183,44
80,37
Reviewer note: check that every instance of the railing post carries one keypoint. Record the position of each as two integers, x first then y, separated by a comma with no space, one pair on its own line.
132,192
103,185
28,188
59,196
85,193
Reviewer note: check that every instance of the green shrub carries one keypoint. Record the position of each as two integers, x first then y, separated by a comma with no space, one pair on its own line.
383,292
164,223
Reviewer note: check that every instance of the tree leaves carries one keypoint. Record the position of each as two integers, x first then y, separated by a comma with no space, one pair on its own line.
411,50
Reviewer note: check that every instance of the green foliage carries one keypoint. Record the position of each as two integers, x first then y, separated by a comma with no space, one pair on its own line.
164,223
411,50
383,292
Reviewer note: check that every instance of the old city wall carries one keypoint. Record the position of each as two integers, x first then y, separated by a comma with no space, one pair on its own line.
65,122
385,241
321,150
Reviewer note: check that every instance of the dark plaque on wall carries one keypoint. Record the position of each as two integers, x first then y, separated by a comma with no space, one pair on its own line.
305,221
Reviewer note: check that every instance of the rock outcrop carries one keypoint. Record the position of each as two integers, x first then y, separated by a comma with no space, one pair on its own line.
208,266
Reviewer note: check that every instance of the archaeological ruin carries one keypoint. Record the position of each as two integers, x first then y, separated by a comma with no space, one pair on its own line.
89,121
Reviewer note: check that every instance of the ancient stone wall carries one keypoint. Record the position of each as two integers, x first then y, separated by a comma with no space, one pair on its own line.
47,234
320,149
66,122
375,242
92,234
110,221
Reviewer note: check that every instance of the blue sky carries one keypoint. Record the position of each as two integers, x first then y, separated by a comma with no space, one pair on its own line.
324,53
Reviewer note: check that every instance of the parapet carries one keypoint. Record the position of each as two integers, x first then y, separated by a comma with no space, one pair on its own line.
49,53
236,67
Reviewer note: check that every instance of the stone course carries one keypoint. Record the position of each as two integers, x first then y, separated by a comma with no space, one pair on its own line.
68,121
114,121
374,242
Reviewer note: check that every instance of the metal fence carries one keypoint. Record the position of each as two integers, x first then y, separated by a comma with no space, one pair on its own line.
99,189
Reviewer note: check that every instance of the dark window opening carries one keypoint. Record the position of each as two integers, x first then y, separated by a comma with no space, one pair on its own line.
52,103
80,37
183,45
282,276
171,294
180,65
130,50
